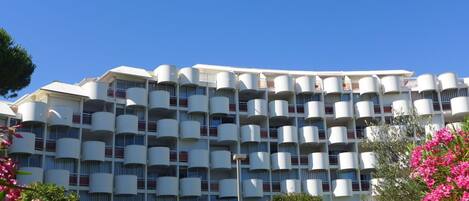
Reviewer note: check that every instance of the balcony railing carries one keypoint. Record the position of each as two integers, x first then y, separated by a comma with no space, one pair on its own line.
264,133
333,159
387,109
151,184
232,107
355,186
141,183
173,154
266,187
182,156
214,186
182,102
350,134
329,109
120,93
73,179
204,185
304,160
365,185
275,186
141,125
86,118
291,108
377,109
203,130
76,119
213,131
38,144
173,101
108,151
151,126
273,133
50,145
84,180
325,186
322,134
119,152
300,108
243,106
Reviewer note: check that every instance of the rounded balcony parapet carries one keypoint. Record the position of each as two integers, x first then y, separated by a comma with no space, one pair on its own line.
426,82
283,84
364,109
226,80
158,156
448,80
250,133
127,124
60,116
170,187
167,128
342,187
259,161
248,82
347,160
253,188
278,108
372,133
318,161
67,148
190,187
401,107
220,159
289,186
313,187
424,106
227,188
342,109
198,158
368,85
33,112
219,105
93,151
314,109
102,122
197,104
135,154
190,130
101,183
36,174
338,135
23,145
189,76
58,177
281,161
367,160
460,106
227,132
309,134
96,90
287,134
166,74
374,185
257,108
305,84
333,85
136,96
125,185
159,99
391,84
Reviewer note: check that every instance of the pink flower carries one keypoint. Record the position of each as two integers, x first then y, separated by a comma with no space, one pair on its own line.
465,196
416,157
444,136
440,192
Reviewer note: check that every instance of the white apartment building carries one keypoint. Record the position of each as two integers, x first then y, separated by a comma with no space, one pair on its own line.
169,134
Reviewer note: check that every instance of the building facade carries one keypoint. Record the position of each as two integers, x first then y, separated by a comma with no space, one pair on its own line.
169,134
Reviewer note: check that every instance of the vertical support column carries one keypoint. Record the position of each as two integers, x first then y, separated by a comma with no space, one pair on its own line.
81,142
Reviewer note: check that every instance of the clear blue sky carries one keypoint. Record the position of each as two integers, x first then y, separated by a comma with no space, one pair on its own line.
72,40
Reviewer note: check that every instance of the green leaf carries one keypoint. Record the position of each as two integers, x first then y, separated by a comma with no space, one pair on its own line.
2,195
19,172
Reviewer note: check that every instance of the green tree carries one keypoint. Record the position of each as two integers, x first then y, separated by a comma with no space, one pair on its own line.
296,197
392,144
47,192
16,66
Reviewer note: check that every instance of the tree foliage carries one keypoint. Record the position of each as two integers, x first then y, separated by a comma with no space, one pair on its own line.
16,66
392,146
296,197
47,192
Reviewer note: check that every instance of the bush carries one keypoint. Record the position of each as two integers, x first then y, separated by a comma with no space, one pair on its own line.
47,192
296,197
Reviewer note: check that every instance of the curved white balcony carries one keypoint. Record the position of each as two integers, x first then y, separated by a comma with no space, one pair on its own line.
35,175
423,106
426,82
60,116
367,160
287,134
226,80
342,187
197,104
198,158
374,184
364,109
190,187
102,122
125,185
190,130
314,109
448,81
33,112
460,106
158,156
333,85
278,108
58,177
342,109
227,188
101,183
371,133
257,108
432,128
283,84
220,159
290,186
93,151
67,148
454,126
391,83
167,128
318,161
305,84
401,107
188,76
347,160
309,134
127,124
281,161
135,154
368,85
96,90
250,133
159,100
170,187
219,105
136,96
259,161
312,187
253,188
24,145
166,74
227,133
248,82
338,135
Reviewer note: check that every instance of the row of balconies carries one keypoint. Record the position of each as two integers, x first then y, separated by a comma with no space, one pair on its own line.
256,108
184,187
